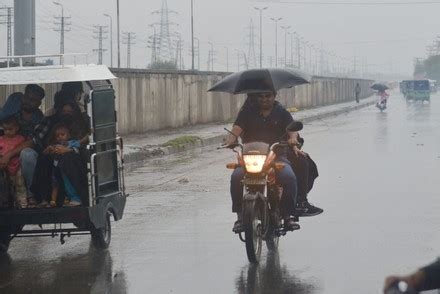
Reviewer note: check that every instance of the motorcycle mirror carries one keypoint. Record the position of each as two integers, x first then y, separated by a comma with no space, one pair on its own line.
295,126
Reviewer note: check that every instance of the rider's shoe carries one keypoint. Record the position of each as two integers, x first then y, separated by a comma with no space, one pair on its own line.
238,227
290,224
307,209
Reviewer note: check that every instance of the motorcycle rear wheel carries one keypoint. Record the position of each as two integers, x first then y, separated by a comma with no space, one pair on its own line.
253,230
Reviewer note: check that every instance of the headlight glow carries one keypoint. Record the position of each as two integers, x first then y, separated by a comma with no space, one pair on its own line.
254,163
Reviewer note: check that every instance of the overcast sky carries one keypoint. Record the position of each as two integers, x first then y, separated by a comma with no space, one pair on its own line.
376,34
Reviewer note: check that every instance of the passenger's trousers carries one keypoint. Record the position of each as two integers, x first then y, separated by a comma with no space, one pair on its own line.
28,160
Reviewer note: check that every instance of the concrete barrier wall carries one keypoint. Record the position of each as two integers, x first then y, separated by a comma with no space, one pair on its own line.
149,100
153,100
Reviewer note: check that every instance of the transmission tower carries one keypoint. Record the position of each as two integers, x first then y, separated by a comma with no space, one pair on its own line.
152,44
252,57
63,23
128,38
179,49
100,33
165,49
8,21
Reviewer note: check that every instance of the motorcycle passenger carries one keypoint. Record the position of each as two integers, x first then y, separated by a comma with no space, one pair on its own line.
265,121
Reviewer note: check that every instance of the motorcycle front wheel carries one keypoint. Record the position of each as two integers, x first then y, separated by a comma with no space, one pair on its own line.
253,229
272,239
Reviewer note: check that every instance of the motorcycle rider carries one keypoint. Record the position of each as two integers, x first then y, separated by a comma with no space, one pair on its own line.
265,121
383,97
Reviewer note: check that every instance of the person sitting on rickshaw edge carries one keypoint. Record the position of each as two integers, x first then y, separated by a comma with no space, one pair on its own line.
265,121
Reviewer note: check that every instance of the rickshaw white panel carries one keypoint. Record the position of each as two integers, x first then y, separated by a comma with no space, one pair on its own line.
54,74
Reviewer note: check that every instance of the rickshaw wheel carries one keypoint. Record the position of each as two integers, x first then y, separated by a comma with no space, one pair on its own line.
5,239
101,237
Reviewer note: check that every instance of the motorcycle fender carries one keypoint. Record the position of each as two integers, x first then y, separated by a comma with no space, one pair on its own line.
253,196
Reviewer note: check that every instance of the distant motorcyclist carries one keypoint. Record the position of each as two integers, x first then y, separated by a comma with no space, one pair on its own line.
265,120
426,278
383,98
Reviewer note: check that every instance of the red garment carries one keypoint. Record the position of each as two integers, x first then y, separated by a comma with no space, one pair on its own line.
9,144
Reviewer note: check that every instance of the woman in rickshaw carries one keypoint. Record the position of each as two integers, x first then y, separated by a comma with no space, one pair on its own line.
68,160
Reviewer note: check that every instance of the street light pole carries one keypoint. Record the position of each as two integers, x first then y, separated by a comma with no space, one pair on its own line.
238,59
62,27
276,20
227,59
111,38
119,43
211,61
192,35
285,43
198,52
261,33
298,49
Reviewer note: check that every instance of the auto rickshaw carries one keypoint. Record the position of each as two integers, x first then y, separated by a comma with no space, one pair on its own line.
404,87
418,90
105,165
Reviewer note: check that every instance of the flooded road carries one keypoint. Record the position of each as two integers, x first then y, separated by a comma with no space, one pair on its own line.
378,185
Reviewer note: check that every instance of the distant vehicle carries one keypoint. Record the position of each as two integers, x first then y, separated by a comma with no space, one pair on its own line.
105,169
433,86
418,90
404,86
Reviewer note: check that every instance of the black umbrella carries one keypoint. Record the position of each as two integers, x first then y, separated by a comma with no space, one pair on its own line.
261,80
379,87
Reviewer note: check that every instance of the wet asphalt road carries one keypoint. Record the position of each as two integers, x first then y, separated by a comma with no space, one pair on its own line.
379,182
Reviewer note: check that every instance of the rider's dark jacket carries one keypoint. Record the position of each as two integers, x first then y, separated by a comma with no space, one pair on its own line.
256,128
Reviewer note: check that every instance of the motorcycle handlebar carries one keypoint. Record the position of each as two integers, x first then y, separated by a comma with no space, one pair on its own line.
232,146
279,144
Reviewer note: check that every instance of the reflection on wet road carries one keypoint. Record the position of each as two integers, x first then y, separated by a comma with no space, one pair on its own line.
378,185
270,277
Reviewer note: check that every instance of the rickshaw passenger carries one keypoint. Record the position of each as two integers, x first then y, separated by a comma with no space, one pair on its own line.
70,161
75,91
9,141
62,136
25,108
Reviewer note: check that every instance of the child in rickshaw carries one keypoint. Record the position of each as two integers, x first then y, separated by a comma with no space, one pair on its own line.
61,136
8,142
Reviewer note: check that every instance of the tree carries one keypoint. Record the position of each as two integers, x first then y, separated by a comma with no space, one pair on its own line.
432,67
419,68
162,65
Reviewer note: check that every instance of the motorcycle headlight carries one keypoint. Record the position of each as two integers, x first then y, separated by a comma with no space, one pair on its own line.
254,163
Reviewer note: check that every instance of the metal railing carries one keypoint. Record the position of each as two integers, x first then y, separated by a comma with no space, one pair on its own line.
62,58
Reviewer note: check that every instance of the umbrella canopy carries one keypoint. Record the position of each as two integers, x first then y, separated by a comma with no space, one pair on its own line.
261,80
379,87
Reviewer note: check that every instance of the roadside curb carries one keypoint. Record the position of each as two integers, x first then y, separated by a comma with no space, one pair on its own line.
345,109
156,151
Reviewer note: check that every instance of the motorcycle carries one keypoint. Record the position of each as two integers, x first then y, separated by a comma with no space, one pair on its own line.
261,198
382,103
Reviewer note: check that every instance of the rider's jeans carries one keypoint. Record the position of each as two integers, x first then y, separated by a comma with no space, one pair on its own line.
286,177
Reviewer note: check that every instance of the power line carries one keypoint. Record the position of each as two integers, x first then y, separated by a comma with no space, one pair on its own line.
128,39
8,23
100,34
64,27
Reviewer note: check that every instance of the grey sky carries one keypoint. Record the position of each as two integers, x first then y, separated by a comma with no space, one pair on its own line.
377,34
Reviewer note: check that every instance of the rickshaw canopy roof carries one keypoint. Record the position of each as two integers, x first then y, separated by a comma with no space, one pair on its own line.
48,74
